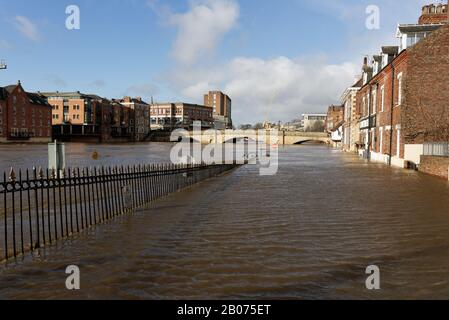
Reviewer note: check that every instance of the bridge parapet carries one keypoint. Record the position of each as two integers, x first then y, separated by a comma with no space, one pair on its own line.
284,137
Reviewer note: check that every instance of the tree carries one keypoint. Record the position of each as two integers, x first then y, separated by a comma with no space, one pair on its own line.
245,127
258,126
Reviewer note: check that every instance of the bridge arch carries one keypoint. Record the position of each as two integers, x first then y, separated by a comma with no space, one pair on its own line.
316,141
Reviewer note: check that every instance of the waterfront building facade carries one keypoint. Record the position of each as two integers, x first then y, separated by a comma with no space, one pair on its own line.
334,118
169,116
24,116
392,97
140,122
351,128
221,104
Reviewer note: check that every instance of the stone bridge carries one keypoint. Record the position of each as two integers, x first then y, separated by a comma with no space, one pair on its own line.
275,137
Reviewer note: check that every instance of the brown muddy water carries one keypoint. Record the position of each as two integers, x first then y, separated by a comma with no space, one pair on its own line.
308,232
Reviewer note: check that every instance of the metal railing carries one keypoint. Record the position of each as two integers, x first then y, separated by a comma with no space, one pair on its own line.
439,149
38,207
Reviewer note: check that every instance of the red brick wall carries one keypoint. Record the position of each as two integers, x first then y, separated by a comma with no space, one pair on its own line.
36,119
426,107
2,118
384,118
435,166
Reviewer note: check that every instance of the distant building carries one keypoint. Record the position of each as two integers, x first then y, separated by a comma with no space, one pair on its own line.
334,118
121,121
314,122
221,105
351,128
169,116
24,116
141,120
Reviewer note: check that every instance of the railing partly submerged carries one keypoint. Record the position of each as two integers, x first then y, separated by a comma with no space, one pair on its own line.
39,207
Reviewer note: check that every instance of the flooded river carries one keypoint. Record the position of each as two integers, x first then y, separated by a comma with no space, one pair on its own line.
307,233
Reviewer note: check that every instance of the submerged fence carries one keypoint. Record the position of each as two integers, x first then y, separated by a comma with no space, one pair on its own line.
38,207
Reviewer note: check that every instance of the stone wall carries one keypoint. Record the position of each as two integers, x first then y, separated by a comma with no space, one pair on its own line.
435,166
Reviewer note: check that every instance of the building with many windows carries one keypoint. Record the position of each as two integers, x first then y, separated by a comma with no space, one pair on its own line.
314,122
169,116
24,116
404,89
351,129
140,120
222,108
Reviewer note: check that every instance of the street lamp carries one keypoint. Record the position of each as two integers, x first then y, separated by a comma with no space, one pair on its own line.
3,65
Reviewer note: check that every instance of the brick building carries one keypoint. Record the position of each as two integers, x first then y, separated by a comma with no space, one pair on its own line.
121,124
24,116
351,128
140,120
169,116
221,105
334,118
392,94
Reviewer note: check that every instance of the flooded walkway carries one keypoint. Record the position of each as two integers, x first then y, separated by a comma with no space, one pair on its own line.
308,232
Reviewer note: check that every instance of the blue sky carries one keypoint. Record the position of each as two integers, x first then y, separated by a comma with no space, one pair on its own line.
276,59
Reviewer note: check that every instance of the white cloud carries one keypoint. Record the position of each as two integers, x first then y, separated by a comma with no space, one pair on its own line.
27,28
201,28
274,89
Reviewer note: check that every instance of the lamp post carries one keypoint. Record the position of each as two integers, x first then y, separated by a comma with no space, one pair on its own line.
3,65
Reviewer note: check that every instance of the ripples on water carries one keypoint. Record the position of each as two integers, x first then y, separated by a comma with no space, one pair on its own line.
308,233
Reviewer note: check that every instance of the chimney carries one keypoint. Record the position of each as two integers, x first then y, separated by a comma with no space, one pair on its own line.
434,14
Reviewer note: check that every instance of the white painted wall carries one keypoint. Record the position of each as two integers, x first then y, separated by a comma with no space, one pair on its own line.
413,152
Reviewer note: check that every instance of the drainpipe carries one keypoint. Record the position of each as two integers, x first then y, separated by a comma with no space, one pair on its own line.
393,75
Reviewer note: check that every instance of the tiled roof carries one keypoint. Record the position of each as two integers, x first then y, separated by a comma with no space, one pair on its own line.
36,98
3,93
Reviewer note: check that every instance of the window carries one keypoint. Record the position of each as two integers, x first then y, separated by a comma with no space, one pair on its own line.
399,102
382,103
374,102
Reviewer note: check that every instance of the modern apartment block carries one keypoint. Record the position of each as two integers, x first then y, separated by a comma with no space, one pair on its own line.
314,122
169,116
222,108
72,108
24,116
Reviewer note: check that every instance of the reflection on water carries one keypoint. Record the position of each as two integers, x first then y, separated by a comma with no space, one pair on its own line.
308,232
81,155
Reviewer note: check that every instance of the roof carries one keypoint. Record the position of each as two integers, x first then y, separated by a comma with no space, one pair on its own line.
10,88
3,93
133,100
391,50
76,95
36,98
408,28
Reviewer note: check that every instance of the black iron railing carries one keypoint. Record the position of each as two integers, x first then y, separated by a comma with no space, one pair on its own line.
38,207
